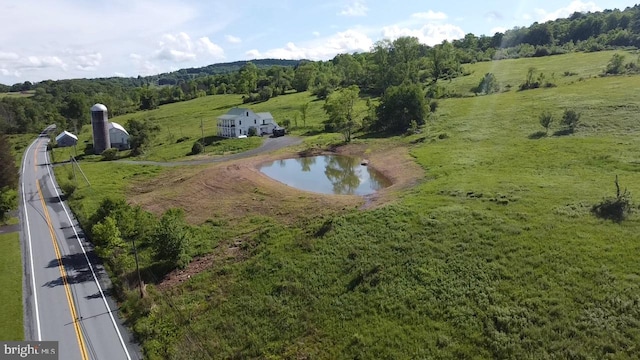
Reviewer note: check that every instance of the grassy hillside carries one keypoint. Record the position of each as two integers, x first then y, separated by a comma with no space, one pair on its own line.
495,255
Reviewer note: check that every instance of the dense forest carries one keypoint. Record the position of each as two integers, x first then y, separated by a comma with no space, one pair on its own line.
388,64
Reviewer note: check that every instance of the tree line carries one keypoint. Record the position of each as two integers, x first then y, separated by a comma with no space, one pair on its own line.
387,64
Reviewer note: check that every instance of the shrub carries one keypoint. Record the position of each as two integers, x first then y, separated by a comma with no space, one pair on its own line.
488,84
252,131
68,189
110,154
8,202
197,148
615,209
615,65
545,120
570,120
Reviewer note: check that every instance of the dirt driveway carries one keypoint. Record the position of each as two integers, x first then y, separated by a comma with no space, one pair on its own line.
270,144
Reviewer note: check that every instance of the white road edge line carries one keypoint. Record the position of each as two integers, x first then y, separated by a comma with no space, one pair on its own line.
26,217
95,278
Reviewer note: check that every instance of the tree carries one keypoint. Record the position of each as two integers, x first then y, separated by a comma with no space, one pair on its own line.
247,78
109,244
75,110
488,84
339,106
399,105
570,120
140,135
148,98
304,108
8,201
615,65
545,120
9,172
304,75
171,240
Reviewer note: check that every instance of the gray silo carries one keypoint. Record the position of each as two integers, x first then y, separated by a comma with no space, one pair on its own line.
100,125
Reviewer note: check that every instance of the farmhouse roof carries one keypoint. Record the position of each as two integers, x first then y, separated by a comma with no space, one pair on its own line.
265,115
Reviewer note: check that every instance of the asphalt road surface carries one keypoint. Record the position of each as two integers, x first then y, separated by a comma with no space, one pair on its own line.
65,287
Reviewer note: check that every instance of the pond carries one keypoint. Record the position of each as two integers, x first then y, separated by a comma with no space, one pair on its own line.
327,174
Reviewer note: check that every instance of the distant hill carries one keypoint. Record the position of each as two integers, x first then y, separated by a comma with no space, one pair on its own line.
171,78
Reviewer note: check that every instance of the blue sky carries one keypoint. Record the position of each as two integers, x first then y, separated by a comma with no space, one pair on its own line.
62,39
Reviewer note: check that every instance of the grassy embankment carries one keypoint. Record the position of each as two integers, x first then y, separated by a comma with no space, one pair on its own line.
495,255
11,288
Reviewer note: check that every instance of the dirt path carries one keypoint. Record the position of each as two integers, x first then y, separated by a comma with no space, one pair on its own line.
270,144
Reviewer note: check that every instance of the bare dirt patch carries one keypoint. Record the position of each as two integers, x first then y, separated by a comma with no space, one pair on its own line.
235,190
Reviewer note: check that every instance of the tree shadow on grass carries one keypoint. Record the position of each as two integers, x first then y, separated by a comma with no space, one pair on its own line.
563,132
537,135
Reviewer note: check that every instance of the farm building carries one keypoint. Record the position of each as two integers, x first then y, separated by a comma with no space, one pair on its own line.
238,121
119,137
65,139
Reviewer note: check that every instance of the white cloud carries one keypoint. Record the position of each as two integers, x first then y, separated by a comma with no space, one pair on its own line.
119,74
430,34
6,72
143,66
180,48
88,62
354,8
205,45
430,15
321,49
253,54
316,33
233,39
34,62
8,56
574,6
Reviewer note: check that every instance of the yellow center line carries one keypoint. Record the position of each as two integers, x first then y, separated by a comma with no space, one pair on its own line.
63,272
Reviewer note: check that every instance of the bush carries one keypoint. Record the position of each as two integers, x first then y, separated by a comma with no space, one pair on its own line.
110,154
252,131
570,120
8,202
545,120
197,148
615,209
68,189
488,85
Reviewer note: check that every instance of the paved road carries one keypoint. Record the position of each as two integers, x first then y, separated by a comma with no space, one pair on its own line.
64,286
270,144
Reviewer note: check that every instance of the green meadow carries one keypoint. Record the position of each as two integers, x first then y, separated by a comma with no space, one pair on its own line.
11,288
494,254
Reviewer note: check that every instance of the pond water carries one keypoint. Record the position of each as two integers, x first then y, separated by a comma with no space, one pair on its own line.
327,174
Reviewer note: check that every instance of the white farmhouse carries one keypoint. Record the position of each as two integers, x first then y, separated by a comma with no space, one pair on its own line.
119,136
238,121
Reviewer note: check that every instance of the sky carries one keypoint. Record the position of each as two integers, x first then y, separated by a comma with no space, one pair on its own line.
67,39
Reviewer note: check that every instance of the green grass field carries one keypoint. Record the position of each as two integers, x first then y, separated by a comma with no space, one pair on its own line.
494,255
11,288
18,94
